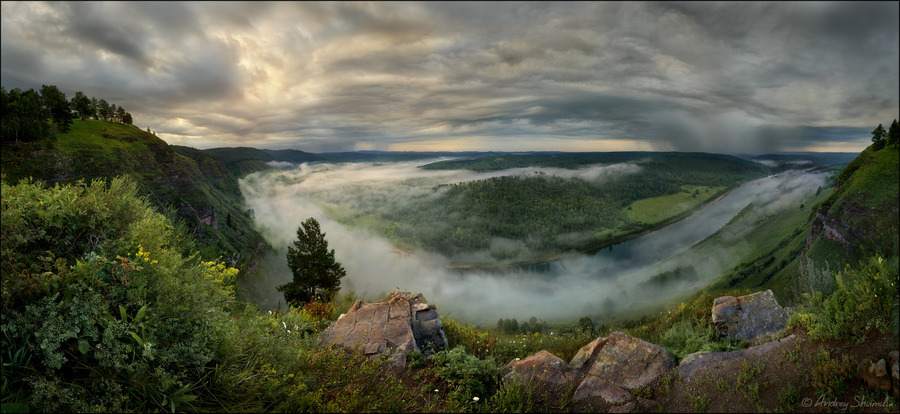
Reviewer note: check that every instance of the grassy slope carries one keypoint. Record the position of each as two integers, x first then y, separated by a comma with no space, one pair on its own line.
100,149
657,209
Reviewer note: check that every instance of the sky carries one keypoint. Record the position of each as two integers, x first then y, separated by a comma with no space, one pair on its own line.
443,76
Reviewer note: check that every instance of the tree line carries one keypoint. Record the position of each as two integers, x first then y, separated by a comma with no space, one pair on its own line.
31,115
882,138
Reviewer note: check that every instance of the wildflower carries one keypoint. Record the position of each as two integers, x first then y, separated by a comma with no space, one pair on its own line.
435,390
517,359
284,324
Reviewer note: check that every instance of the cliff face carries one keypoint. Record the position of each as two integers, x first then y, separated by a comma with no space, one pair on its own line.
833,228
861,216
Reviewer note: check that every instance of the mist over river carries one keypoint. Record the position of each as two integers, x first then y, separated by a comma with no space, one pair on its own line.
585,285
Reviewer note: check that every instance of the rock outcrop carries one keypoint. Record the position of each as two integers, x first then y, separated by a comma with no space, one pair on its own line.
542,367
882,374
874,373
618,365
611,368
400,323
748,317
705,360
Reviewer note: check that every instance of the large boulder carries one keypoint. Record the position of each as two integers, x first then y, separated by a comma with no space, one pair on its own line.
705,361
748,317
400,323
618,365
542,368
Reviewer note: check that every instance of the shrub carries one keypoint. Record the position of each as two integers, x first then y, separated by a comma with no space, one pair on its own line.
481,343
862,303
93,287
467,375
832,373
510,398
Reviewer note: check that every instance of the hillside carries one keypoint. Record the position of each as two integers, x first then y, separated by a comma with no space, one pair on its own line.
197,188
244,160
861,217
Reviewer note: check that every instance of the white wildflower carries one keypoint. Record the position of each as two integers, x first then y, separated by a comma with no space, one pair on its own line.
475,399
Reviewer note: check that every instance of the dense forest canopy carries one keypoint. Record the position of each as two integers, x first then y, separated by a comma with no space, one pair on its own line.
538,214
30,115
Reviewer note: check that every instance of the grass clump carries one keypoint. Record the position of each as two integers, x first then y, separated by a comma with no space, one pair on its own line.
699,402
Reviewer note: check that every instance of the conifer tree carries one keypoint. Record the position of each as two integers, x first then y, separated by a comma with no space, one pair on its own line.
317,276
878,140
893,135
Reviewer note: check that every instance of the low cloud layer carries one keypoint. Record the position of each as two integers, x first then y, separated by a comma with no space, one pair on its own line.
716,77
605,284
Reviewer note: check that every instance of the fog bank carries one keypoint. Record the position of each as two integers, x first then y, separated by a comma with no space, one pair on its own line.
595,285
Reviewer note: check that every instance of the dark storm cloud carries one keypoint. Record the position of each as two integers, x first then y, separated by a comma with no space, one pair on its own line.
731,77
108,32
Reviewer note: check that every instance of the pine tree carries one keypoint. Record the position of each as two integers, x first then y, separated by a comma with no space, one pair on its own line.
317,276
878,140
893,135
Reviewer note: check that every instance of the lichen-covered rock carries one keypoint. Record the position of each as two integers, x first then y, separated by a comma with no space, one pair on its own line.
618,365
393,326
539,369
706,360
748,317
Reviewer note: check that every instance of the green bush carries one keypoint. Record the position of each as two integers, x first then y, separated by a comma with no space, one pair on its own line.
862,303
468,376
94,287
512,397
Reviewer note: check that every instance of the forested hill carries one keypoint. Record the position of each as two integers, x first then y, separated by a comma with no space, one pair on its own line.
196,188
696,161
244,160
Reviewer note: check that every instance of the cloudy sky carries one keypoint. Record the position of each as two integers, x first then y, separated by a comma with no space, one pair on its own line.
587,76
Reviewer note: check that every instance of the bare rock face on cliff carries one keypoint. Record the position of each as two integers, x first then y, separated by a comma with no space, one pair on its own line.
748,317
400,323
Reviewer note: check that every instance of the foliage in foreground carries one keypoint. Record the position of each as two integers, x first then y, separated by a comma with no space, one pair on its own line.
864,301
106,308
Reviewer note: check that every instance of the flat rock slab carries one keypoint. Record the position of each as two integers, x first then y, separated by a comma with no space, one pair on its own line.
692,363
400,323
748,317
617,365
